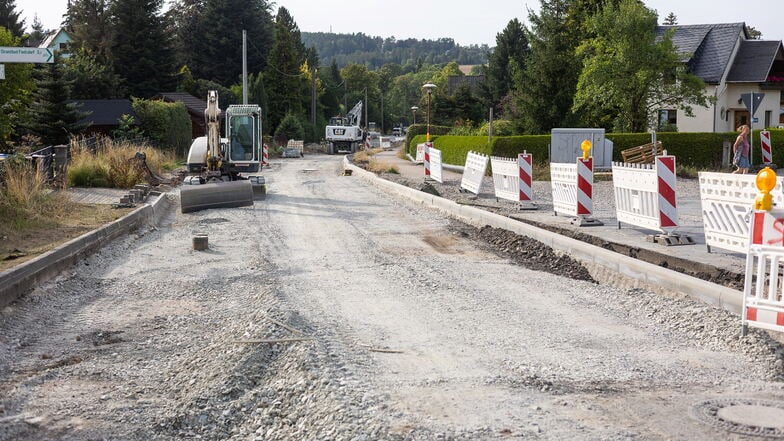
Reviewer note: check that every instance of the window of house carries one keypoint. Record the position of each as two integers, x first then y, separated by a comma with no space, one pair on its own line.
63,46
768,116
668,119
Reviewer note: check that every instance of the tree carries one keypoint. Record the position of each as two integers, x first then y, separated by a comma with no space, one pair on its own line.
754,34
511,47
545,86
53,116
209,36
671,19
91,79
14,91
90,24
285,81
38,34
142,52
628,75
9,18
290,127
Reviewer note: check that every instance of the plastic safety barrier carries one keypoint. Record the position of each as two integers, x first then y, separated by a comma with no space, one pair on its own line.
506,178
767,150
435,164
474,171
428,146
645,194
385,142
726,199
763,302
525,179
572,186
420,153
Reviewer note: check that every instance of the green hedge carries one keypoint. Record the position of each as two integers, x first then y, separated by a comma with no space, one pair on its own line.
701,150
166,123
421,129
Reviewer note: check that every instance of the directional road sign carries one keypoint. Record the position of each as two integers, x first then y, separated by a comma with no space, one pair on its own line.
2,71
26,55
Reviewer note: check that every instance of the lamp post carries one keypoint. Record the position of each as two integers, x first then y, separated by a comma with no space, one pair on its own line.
413,110
429,88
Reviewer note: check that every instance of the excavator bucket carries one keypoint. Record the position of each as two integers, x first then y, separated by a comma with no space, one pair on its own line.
216,195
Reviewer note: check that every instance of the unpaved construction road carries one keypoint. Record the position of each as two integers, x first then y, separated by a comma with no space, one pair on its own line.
399,324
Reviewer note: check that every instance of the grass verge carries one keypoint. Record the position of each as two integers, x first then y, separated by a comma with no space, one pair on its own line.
111,166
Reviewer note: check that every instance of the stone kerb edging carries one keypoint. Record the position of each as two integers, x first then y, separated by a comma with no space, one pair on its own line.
22,278
652,276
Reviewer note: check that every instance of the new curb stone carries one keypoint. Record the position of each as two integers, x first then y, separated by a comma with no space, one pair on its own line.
652,276
16,281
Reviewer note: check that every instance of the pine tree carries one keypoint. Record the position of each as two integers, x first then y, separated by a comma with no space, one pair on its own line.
9,18
37,35
90,25
284,81
209,37
53,117
545,87
90,78
511,47
671,19
14,91
142,53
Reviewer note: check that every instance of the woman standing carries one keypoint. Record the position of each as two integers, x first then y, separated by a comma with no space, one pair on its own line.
741,151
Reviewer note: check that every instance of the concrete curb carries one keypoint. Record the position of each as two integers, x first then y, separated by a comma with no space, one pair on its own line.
652,276
16,281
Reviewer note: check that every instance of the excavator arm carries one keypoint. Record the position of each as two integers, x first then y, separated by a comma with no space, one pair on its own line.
212,115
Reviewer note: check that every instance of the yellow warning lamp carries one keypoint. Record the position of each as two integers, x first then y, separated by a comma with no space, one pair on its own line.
766,181
586,146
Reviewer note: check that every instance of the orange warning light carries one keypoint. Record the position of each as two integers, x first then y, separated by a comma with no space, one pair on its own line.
586,146
766,182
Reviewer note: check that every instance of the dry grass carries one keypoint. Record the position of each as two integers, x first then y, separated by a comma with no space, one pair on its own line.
401,153
25,200
366,160
111,165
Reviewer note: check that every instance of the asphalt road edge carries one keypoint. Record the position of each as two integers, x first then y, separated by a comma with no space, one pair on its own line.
651,276
17,281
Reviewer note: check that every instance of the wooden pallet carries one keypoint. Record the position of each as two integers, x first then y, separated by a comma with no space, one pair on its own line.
644,154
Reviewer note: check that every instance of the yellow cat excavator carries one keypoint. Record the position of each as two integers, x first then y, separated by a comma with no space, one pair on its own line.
218,167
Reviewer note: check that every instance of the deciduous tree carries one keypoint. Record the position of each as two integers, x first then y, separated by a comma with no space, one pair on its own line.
628,74
14,91
9,18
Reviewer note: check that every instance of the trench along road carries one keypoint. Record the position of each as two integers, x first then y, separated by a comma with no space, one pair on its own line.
392,321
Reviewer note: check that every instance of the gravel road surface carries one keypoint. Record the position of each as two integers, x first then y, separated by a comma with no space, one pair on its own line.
398,324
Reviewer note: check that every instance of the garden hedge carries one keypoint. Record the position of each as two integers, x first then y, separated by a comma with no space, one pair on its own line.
167,123
701,150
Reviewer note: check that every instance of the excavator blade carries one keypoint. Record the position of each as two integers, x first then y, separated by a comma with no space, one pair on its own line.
216,195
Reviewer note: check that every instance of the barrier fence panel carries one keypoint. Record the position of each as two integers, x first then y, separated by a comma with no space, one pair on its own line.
726,200
645,194
526,171
506,179
420,153
474,171
765,146
763,304
435,164
636,196
385,142
563,178
264,155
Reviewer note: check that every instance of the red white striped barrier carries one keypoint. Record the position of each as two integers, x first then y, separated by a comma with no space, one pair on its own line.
525,167
668,206
767,150
763,305
264,155
428,145
584,186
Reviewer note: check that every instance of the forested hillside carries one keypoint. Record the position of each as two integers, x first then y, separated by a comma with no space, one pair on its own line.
376,51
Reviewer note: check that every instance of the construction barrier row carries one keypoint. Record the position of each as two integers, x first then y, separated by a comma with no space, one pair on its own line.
763,304
645,194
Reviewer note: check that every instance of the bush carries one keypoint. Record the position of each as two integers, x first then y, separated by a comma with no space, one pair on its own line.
421,129
168,124
290,128
501,127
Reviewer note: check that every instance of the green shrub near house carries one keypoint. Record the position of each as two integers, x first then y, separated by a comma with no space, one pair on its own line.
167,124
699,150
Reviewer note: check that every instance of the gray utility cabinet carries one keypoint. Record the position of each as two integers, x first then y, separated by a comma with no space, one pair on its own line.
565,146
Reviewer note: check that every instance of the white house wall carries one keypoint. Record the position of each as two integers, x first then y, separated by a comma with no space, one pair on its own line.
721,117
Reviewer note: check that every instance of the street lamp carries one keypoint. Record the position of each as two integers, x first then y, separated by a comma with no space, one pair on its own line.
429,87
413,110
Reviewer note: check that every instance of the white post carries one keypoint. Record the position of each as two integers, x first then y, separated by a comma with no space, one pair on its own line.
244,67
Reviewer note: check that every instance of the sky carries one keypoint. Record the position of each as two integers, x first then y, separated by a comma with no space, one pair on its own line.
467,25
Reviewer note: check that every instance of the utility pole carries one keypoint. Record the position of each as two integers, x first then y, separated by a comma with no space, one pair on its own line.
313,99
382,112
244,67
366,110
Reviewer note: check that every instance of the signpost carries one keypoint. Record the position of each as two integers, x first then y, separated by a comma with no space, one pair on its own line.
752,102
2,71
26,55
